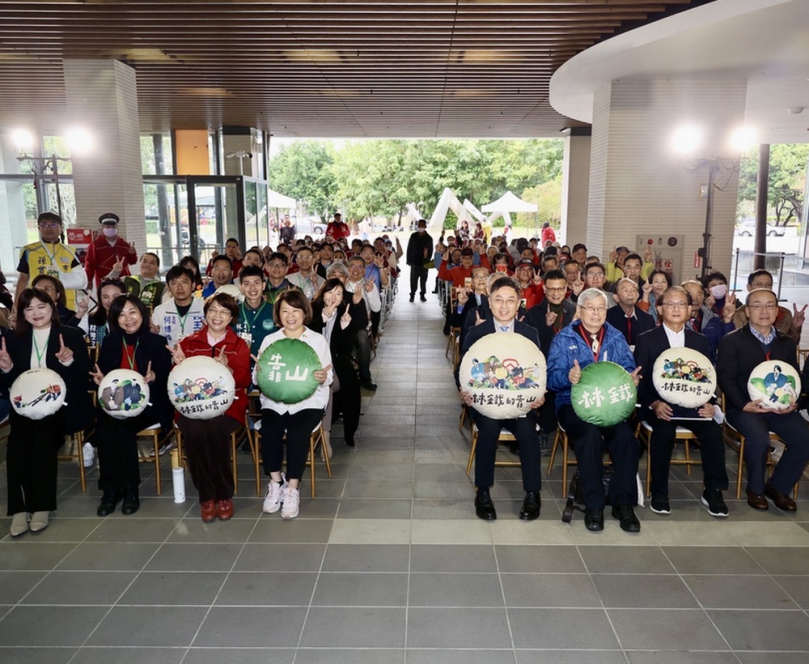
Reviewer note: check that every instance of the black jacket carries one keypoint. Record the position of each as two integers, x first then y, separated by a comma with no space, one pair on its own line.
415,249
739,353
642,322
79,411
536,319
151,348
648,348
342,340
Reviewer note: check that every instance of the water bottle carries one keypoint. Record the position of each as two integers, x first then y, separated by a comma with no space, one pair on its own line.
177,477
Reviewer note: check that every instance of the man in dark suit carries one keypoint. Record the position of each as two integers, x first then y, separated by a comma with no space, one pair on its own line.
504,302
675,308
629,319
739,353
548,318
419,251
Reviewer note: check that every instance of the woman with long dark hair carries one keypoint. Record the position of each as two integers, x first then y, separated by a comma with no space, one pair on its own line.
98,320
129,345
40,340
339,316
207,442
56,290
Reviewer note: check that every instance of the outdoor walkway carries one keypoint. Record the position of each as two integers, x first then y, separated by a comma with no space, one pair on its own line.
390,565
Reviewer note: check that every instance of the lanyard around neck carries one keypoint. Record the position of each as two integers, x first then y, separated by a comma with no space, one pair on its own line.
36,350
594,342
130,359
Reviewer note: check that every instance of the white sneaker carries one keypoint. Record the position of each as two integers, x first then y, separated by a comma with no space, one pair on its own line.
292,500
275,496
88,453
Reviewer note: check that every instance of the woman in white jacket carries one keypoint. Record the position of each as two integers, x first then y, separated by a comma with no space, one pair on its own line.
292,313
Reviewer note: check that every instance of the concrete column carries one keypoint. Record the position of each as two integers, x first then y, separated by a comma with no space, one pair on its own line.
637,184
102,98
13,234
575,185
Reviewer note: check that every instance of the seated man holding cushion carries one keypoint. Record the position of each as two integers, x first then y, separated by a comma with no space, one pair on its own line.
740,352
578,345
504,300
675,307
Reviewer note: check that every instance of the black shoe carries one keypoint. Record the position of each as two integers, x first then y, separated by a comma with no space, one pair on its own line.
530,506
660,503
109,501
423,298
714,502
368,384
594,520
412,298
350,440
484,507
131,502
626,515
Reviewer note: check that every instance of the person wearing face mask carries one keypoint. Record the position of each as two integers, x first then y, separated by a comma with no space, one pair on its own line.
109,255
704,318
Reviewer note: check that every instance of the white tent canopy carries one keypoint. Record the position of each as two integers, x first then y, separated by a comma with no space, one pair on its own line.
508,202
276,200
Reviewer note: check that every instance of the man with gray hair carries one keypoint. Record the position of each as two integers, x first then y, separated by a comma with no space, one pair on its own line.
585,341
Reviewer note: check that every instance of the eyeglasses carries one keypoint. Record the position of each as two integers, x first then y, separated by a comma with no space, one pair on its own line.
49,224
676,305
769,306
595,275
595,310
276,264
48,289
555,290
767,285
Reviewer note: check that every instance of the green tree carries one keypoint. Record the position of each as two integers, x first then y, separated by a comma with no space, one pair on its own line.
787,180
303,170
548,199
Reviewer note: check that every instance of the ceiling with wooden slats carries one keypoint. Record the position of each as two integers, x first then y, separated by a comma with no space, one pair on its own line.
317,68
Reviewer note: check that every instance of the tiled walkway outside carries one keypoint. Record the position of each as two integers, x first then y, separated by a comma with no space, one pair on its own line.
389,564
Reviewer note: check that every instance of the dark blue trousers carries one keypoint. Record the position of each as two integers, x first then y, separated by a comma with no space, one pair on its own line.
589,443
524,430
756,429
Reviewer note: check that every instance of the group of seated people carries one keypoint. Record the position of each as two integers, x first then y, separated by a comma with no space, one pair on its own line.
327,295
579,310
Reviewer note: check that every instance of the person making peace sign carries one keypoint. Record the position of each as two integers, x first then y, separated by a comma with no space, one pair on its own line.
39,340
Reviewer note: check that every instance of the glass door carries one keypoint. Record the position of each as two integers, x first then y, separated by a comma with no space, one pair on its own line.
216,212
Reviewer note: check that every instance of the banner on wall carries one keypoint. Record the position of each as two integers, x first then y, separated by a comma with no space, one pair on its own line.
79,239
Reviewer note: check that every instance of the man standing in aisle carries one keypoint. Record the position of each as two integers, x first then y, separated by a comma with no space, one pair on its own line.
109,255
419,250
50,256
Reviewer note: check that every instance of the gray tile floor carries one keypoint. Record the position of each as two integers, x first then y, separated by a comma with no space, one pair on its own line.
389,564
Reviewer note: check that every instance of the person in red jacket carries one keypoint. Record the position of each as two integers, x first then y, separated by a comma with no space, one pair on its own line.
337,230
207,442
109,256
531,289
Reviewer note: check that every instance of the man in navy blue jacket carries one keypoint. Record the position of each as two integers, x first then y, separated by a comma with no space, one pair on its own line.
504,301
581,343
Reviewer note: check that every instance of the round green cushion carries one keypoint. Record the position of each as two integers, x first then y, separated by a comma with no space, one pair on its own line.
605,395
286,371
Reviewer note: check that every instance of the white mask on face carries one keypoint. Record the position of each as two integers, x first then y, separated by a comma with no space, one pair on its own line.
110,231
719,291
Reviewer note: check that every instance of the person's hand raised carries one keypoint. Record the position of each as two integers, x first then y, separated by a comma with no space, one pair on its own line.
65,354
5,359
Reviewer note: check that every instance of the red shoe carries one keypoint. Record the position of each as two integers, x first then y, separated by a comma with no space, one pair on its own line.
208,511
224,508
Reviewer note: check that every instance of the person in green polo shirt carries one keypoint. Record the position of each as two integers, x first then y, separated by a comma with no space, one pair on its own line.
255,314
